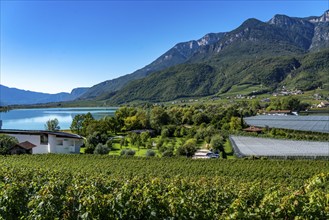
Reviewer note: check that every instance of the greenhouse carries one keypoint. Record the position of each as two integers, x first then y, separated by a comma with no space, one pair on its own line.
266,147
302,123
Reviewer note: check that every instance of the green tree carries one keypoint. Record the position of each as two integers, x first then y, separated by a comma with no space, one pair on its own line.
101,149
159,143
109,144
188,148
145,137
130,123
105,125
80,123
199,118
255,105
6,142
158,118
77,124
150,153
149,144
134,138
112,124
123,142
235,124
122,113
143,118
87,121
187,117
52,125
182,131
207,139
169,152
127,152
294,104
165,133
93,140
217,142
176,115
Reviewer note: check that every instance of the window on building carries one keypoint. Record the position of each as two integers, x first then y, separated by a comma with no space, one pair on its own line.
44,139
59,142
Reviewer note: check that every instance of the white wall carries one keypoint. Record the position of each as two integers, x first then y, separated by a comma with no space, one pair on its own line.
34,139
52,143
70,145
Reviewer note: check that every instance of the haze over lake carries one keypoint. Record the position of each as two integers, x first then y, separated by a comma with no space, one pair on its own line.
35,119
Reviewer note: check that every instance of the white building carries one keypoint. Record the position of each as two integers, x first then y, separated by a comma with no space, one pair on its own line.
323,104
48,141
204,154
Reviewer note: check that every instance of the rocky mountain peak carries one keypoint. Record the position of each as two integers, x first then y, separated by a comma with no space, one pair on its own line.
323,18
210,38
281,20
286,21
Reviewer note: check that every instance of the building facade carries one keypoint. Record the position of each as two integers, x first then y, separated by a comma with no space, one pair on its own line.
48,141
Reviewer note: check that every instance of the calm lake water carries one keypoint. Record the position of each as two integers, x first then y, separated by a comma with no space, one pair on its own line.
35,119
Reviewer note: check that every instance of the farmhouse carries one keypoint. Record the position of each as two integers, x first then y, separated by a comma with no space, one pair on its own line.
42,142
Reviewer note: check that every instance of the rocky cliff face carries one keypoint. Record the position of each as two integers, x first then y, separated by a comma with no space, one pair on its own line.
321,32
323,18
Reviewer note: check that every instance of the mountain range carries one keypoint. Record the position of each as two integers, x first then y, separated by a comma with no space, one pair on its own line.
13,96
284,51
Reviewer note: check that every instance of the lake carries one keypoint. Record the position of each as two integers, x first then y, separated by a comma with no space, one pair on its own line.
35,119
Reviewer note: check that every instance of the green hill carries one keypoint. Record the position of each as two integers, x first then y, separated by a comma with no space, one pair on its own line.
209,78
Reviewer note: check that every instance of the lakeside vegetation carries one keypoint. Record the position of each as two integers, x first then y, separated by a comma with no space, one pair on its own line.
5,108
181,130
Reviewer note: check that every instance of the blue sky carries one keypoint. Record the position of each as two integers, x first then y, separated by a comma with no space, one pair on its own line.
55,46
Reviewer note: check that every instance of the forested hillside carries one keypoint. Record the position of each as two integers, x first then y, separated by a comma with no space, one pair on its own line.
212,77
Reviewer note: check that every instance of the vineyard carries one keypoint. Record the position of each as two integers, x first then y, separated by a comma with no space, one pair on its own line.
105,187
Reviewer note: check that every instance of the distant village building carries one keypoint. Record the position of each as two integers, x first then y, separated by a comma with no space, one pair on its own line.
323,104
286,92
254,129
42,142
297,92
317,96
279,112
